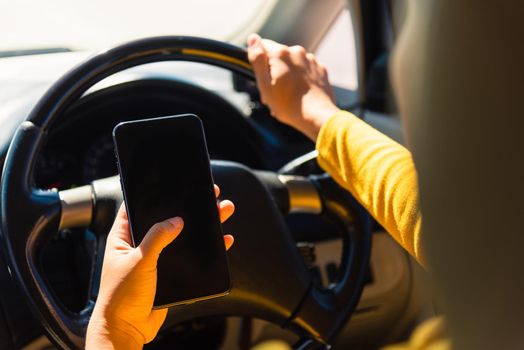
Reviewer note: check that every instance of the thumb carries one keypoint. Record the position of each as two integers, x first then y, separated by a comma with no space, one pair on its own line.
156,319
159,236
256,54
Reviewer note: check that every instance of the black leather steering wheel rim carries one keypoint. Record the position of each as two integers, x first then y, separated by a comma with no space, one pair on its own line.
23,237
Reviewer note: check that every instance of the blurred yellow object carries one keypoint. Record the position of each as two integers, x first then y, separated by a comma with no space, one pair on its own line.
272,345
428,336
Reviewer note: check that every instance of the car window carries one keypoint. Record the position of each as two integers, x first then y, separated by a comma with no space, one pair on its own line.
96,24
337,52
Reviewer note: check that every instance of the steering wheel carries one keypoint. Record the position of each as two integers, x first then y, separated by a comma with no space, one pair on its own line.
270,279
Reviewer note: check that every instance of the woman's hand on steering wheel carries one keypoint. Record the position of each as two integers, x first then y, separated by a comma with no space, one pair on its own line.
292,84
123,315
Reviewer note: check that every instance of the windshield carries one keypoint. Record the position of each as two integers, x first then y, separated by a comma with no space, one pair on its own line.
96,24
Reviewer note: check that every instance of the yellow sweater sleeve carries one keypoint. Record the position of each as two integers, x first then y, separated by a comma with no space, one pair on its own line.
378,172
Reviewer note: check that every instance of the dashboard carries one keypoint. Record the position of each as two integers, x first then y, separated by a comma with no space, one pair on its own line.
80,149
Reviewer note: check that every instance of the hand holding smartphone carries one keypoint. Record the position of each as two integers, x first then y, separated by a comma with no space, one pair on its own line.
165,172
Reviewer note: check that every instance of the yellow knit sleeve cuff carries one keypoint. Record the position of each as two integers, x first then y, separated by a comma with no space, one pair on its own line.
327,133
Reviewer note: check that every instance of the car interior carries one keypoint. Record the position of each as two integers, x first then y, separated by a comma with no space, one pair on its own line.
335,276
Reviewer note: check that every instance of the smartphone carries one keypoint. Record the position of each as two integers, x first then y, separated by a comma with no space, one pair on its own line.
165,172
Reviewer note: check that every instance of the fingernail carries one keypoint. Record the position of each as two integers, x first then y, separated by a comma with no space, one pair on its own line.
253,40
177,222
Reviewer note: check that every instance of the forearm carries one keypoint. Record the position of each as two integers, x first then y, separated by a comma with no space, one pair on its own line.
378,172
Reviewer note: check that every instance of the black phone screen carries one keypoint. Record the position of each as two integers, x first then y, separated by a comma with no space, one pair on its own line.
165,172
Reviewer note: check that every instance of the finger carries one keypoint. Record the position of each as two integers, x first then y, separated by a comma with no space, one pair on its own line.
156,320
228,241
217,191
159,236
226,208
279,67
298,54
274,49
253,39
258,58
311,57
122,212
120,230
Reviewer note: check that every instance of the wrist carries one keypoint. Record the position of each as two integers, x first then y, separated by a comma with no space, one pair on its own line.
316,120
105,334
109,339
